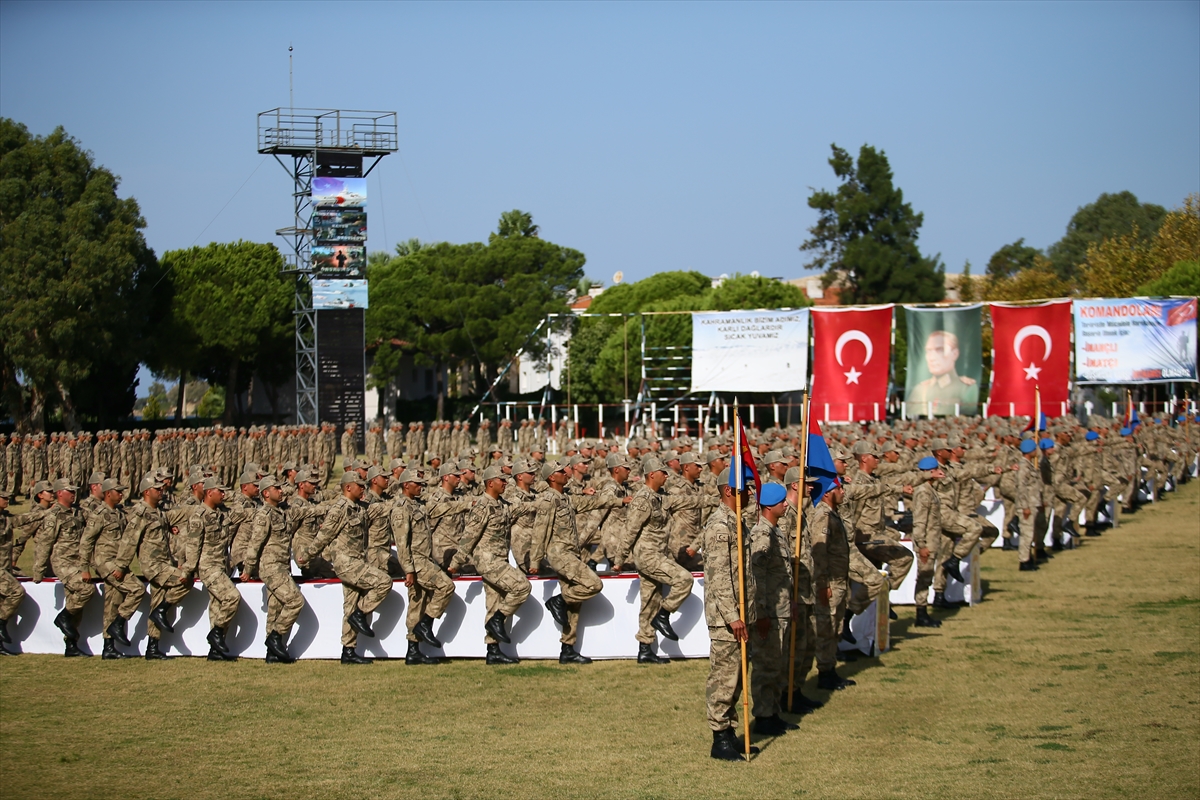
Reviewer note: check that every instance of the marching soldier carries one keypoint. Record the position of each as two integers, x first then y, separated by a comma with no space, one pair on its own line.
58,547
342,539
11,591
148,534
558,541
429,587
269,556
103,546
927,539
486,540
206,554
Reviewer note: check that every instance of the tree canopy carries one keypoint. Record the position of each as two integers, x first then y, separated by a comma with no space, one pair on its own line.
76,279
1011,259
866,236
230,316
597,360
450,304
1109,217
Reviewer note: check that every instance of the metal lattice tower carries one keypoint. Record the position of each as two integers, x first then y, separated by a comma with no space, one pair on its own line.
304,134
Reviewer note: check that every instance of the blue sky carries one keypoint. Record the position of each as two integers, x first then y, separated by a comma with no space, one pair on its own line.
649,136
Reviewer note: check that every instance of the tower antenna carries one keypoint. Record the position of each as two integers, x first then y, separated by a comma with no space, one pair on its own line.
291,85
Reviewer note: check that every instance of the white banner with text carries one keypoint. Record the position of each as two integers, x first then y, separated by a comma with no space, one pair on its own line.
750,351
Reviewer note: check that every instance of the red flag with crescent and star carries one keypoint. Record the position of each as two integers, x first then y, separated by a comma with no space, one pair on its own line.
852,354
1031,347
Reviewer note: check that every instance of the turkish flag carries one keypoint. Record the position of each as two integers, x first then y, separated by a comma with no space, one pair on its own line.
852,354
1031,347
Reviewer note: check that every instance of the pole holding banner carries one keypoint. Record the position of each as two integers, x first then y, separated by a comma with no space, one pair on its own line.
796,545
739,485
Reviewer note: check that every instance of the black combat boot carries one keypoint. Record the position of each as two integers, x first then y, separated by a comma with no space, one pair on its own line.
831,681
5,637
774,725
66,623
662,624
646,655
277,652
110,652
359,621
496,656
72,650
414,656
940,601
567,655
951,566
804,705
924,620
350,656
161,616
495,626
117,631
217,654
726,747
423,630
558,609
1093,529
216,640
1028,566
847,636
153,653
892,613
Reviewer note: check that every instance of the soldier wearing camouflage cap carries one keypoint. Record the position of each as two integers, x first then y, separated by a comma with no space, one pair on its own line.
447,513
58,546
11,591
269,558
429,587
103,546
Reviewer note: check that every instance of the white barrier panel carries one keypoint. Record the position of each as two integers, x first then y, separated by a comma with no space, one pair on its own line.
969,590
608,623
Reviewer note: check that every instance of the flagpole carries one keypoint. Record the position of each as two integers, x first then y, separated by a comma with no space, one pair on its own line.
796,545
739,484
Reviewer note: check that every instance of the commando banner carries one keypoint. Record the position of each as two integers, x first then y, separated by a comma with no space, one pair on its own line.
1135,341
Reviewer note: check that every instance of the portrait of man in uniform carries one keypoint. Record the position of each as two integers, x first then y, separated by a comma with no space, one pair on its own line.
944,387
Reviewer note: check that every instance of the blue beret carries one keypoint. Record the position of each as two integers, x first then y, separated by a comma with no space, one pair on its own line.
928,462
772,493
1091,436
1126,431
1028,446
1046,444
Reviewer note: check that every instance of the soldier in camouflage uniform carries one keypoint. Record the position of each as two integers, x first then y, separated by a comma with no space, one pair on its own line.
429,587
770,561
104,547
342,538
486,541
11,591
58,546
206,555
269,557
722,612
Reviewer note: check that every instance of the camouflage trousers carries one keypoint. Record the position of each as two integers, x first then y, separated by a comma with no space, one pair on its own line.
429,595
866,582
1032,530
805,626
656,571
11,594
166,586
121,597
724,686
223,598
829,625
76,590
927,570
897,557
504,587
577,583
363,589
284,600
768,678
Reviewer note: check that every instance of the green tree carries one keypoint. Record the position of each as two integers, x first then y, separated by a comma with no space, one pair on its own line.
156,402
866,236
1011,259
450,304
1112,215
514,223
1181,279
605,349
76,282
212,404
967,291
230,316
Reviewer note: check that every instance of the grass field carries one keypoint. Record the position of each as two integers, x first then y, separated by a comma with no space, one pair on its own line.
1082,680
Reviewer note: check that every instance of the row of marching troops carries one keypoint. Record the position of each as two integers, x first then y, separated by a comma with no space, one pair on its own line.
124,455
662,508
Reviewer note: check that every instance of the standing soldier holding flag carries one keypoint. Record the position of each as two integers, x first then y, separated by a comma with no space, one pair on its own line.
726,550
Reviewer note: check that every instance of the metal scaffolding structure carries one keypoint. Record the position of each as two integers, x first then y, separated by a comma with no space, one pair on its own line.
305,135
